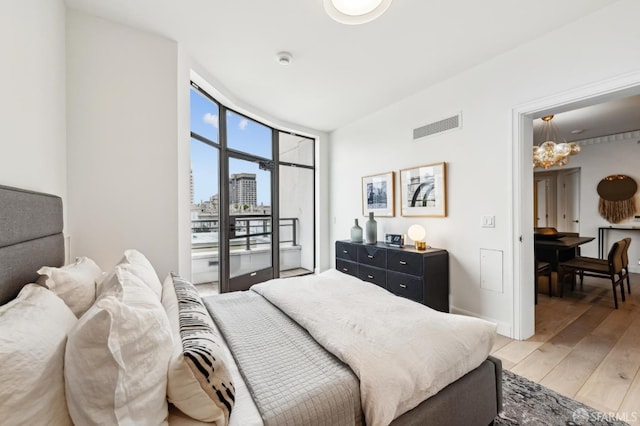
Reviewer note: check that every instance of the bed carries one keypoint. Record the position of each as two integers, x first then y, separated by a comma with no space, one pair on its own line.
31,237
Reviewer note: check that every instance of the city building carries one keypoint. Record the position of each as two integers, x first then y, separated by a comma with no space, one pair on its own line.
242,190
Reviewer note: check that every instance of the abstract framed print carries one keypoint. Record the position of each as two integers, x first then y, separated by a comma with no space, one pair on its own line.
424,190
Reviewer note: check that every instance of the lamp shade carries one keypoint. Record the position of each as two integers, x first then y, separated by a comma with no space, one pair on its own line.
416,232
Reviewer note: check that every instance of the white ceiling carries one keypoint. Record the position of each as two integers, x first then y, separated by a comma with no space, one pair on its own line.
339,73
602,119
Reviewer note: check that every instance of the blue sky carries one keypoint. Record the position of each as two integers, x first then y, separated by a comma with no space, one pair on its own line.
242,134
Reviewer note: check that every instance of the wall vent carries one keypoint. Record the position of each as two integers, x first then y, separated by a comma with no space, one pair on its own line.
444,125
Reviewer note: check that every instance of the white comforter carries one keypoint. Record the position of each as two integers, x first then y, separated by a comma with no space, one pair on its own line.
402,352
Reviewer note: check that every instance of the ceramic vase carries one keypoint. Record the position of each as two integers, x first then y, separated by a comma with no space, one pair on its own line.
356,233
371,230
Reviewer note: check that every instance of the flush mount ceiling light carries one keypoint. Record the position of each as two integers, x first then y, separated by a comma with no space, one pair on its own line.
354,12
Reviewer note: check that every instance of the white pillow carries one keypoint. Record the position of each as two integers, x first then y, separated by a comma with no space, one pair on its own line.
117,357
74,283
140,266
33,333
199,378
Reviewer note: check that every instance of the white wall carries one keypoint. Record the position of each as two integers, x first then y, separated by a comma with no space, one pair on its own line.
597,161
479,180
122,104
32,95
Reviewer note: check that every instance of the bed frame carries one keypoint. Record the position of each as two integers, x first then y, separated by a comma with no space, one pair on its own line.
31,236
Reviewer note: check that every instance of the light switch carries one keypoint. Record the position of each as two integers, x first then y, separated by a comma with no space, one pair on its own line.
488,221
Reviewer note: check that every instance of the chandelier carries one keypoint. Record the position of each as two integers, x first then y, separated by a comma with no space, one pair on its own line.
550,153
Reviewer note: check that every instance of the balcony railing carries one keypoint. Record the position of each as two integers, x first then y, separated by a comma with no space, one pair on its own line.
245,232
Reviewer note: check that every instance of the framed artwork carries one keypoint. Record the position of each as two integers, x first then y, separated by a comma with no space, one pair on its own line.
377,195
424,191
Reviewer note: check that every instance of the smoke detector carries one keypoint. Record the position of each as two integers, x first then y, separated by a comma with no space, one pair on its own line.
284,58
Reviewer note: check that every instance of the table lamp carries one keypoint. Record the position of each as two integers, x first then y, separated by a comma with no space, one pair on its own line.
417,234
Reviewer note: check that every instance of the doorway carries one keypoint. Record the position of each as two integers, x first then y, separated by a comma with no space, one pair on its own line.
523,188
250,237
556,199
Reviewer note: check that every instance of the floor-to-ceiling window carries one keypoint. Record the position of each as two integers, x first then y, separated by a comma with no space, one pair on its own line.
205,188
297,207
252,203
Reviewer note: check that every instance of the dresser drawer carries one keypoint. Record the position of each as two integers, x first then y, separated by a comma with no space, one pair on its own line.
373,256
405,262
373,275
405,285
346,251
350,268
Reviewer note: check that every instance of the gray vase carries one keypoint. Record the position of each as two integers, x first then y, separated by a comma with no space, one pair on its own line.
356,233
371,230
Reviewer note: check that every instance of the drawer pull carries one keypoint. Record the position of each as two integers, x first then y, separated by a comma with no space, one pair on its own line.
402,262
345,269
369,256
253,274
403,286
345,251
370,277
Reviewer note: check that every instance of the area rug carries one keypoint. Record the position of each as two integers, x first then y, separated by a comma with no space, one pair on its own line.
528,403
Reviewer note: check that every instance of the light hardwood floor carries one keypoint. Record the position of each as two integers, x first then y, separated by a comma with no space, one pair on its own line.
584,348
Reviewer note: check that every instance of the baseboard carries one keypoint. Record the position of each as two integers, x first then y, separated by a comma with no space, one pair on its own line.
504,328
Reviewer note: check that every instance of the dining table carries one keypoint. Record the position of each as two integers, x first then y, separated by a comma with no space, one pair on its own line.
555,250
558,249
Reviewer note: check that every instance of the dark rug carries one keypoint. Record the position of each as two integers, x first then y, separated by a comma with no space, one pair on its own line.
528,403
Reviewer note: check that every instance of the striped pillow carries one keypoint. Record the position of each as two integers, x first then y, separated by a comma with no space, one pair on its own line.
199,381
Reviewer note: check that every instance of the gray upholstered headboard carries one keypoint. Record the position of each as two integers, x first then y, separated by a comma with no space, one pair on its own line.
30,237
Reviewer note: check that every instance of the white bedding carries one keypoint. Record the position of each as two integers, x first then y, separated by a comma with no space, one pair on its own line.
244,413
402,352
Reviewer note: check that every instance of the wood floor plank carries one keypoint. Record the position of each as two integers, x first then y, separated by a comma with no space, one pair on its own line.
538,364
583,325
500,342
541,361
629,411
575,369
550,324
517,350
607,387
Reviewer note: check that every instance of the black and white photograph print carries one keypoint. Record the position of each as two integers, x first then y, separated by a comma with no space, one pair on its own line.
423,190
377,194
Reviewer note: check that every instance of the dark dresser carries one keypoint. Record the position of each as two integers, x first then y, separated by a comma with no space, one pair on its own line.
422,276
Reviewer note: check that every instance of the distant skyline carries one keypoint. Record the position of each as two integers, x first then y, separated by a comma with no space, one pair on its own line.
243,135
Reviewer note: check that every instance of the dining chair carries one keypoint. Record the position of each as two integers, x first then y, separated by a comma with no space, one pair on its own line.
625,262
594,260
541,269
611,268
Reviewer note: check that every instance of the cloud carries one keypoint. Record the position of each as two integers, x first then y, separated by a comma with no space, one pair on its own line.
211,119
243,124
